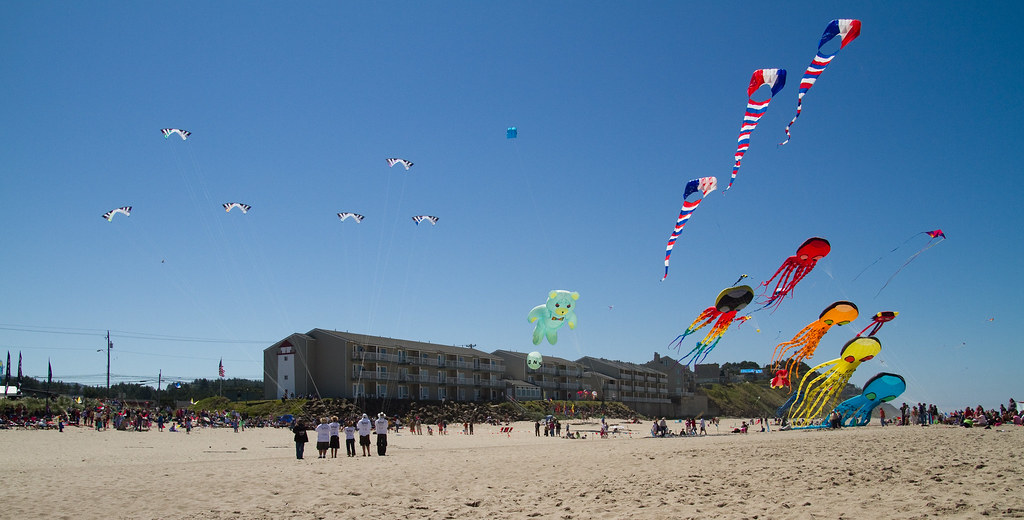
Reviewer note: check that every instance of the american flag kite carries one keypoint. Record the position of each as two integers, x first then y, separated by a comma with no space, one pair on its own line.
704,185
847,30
775,79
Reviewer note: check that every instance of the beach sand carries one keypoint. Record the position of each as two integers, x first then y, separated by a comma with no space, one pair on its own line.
868,472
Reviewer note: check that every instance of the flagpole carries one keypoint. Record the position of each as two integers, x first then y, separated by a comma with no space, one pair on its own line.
109,346
49,377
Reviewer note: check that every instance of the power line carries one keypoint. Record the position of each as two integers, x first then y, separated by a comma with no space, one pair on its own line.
123,334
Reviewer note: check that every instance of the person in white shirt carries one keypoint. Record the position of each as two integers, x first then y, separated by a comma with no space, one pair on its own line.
350,439
382,434
323,437
335,436
364,426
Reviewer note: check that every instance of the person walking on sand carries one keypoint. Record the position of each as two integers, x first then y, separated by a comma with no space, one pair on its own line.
382,434
365,427
703,430
300,438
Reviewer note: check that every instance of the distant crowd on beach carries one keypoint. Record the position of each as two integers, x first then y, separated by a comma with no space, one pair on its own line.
121,416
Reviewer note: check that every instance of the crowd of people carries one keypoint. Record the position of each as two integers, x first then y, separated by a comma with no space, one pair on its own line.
119,415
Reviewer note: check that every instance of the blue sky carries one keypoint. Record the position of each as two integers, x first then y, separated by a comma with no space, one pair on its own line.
618,105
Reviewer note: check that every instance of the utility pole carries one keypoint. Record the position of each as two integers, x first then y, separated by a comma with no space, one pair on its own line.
159,380
109,346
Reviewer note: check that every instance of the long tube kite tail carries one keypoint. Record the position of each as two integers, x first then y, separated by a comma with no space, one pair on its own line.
847,30
774,79
704,185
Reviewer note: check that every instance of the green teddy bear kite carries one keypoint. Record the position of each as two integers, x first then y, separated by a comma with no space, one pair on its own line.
552,315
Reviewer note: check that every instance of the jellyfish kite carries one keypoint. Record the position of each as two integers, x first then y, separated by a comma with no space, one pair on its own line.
881,388
937,236
729,302
394,160
511,133
847,30
817,391
795,268
802,346
704,185
228,206
775,79
168,131
126,211
879,319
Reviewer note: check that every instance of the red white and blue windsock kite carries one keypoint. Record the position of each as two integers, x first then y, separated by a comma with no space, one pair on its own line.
704,185
775,79
847,30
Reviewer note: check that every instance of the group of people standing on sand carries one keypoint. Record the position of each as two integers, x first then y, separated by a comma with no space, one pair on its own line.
328,436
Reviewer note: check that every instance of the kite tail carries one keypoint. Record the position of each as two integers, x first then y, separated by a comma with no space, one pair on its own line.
750,118
817,66
868,267
893,250
911,259
722,325
804,383
706,350
787,406
828,393
877,326
807,345
786,268
801,271
780,350
695,352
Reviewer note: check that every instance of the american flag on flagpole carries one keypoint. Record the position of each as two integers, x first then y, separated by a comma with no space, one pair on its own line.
220,368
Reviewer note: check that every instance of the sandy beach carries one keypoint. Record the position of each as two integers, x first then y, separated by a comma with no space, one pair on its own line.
867,472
